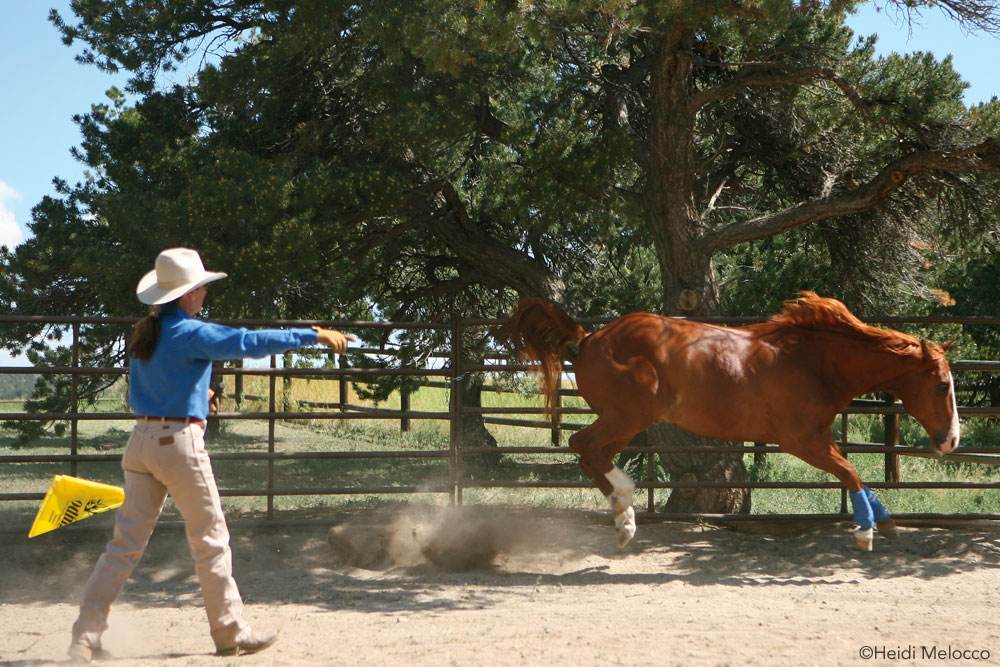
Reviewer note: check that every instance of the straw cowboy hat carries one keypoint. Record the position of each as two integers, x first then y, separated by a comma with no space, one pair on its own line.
177,272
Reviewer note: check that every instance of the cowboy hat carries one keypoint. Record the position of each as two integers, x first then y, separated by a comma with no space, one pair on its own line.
177,272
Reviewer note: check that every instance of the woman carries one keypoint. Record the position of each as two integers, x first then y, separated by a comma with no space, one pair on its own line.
170,365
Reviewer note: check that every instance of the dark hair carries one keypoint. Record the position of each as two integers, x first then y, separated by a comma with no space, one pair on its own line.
145,336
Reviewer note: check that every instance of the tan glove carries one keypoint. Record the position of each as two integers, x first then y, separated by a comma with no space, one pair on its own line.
333,339
214,402
215,392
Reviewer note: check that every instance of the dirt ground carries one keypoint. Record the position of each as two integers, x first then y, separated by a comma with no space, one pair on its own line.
477,586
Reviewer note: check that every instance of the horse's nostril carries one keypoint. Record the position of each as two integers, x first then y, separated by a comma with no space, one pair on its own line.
946,445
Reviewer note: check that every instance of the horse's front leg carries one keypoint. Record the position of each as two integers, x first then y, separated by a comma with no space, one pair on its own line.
879,515
868,511
864,533
868,515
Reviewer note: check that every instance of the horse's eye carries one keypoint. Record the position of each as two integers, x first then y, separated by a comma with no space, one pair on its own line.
943,387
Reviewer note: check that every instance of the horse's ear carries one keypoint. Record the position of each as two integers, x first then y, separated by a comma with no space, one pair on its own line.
925,347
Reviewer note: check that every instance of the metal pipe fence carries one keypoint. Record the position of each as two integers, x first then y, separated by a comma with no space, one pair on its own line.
449,376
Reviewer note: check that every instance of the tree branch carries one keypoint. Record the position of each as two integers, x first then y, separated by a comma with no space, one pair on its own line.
981,157
492,263
971,15
767,75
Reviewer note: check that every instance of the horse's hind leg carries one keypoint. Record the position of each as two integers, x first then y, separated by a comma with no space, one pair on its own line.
597,444
621,503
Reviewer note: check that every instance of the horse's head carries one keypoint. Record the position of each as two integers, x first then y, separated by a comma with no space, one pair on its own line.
928,394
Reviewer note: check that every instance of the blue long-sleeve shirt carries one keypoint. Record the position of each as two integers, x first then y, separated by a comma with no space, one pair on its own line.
174,381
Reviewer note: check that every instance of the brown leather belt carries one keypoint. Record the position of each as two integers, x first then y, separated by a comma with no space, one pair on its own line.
186,420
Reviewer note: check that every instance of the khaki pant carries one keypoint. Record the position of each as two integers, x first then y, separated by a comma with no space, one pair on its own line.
167,457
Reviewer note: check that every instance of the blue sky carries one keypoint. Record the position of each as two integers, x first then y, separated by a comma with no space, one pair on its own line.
42,87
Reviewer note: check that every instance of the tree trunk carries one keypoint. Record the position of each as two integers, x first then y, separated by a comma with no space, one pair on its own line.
695,467
687,272
474,431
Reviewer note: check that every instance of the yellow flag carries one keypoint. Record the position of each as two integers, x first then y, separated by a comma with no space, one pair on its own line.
70,499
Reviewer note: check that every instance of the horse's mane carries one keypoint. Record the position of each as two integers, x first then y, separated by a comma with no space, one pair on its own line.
812,311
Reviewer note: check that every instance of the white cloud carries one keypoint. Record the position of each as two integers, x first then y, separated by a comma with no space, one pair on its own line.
10,232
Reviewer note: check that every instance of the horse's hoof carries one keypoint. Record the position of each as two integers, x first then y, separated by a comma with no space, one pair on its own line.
888,529
625,535
625,526
864,537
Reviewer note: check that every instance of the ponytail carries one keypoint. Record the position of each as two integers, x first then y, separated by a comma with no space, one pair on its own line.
145,336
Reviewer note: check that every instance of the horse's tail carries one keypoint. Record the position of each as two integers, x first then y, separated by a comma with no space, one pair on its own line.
541,332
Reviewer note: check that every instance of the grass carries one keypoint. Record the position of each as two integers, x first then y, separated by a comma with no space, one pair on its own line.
783,468
384,436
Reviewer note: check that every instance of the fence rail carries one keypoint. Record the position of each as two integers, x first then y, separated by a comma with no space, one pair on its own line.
450,377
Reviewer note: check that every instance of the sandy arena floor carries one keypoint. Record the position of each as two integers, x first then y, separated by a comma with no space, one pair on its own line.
475,586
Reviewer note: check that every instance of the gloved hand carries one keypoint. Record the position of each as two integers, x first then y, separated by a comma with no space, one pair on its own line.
333,339
214,402
215,396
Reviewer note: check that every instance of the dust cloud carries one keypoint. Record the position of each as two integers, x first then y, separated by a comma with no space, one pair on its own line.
446,538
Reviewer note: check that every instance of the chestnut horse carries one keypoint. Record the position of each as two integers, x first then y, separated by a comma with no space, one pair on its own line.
783,381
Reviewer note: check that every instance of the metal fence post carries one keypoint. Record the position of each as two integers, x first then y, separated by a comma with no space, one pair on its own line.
556,404
271,404
891,426
74,401
238,383
455,436
342,362
404,406
650,477
843,441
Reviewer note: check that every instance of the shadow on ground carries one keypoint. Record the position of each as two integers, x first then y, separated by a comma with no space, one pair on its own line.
417,558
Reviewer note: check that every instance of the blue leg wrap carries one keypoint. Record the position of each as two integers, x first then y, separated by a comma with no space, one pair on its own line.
863,515
880,513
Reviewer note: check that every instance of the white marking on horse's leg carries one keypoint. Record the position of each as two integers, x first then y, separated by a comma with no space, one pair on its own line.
954,429
864,537
621,504
622,483
625,526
